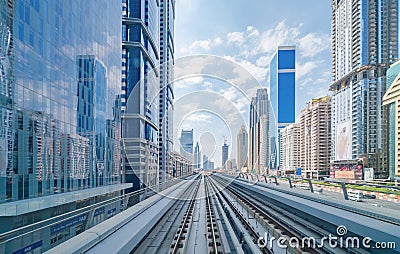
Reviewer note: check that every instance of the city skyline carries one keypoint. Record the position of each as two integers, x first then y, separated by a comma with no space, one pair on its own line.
251,43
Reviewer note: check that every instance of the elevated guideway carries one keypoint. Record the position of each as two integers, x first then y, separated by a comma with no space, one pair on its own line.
221,214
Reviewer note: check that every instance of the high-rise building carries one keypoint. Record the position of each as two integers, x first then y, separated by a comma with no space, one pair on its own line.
231,165
197,156
391,100
166,94
186,144
60,111
315,138
181,166
364,43
205,162
225,153
211,165
290,149
242,147
140,91
282,96
258,151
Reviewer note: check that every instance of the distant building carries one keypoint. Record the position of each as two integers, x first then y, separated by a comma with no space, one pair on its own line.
392,102
231,165
315,138
211,165
186,144
197,156
225,153
242,147
207,164
282,96
181,166
290,149
259,131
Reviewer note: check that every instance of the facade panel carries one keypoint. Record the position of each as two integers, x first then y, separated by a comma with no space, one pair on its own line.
60,114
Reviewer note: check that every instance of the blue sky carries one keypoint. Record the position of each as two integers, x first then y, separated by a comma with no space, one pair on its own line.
248,33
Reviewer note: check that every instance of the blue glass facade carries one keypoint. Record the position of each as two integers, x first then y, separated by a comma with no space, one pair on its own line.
283,96
282,84
59,97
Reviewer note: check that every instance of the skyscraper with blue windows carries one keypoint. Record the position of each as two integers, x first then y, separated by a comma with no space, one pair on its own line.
140,91
60,110
167,58
364,44
282,96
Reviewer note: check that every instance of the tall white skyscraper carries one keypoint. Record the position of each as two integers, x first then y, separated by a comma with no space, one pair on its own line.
364,43
259,149
242,147
290,148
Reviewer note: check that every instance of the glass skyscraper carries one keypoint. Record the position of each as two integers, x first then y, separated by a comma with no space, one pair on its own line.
186,144
140,91
167,52
225,154
282,95
364,43
60,111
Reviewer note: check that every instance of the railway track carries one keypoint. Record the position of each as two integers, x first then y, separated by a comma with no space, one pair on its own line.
212,229
180,236
159,239
202,221
286,223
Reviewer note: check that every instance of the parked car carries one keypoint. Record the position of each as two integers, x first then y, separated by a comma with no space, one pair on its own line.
369,196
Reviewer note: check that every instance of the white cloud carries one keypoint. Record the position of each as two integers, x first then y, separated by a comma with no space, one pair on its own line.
229,94
280,35
303,69
259,73
312,44
252,32
196,118
236,37
263,61
202,46
194,79
180,84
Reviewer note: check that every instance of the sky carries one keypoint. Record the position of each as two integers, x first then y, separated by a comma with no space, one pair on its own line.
240,38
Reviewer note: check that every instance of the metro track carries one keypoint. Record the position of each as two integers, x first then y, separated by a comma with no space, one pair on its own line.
216,214
165,230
